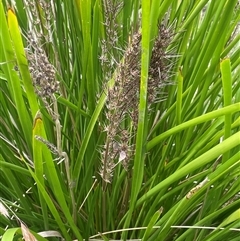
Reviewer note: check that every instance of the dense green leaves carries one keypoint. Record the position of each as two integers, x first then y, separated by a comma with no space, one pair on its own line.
120,119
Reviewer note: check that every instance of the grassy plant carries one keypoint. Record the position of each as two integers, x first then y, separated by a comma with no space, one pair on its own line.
119,120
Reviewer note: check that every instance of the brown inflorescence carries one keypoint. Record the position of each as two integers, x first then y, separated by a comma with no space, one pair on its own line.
43,73
123,98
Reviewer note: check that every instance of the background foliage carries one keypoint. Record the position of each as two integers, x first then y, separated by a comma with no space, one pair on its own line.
119,120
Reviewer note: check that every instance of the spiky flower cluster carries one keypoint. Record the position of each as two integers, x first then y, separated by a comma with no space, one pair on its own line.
116,148
109,44
40,14
111,10
123,98
125,95
160,67
119,104
42,72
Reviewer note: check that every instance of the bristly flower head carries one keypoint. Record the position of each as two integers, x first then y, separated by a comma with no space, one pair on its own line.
43,73
123,98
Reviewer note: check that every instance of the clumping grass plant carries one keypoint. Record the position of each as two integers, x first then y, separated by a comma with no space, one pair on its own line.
120,120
